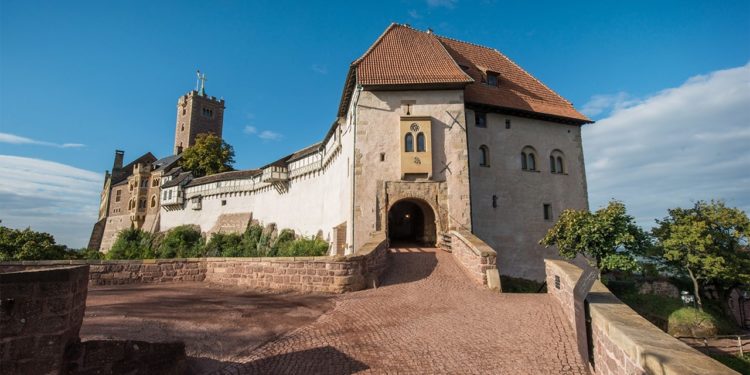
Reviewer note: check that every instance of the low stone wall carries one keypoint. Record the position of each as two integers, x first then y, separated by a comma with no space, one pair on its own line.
477,258
41,312
307,274
623,341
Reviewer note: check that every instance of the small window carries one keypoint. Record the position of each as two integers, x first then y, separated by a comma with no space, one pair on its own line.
560,165
142,203
382,156
409,143
118,195
153,201
484,156
155,182
164,196
507,123
528,159
491,79
421,147
480,119
552,166
223,202
547,212
556,162
184,111
182,127
170,194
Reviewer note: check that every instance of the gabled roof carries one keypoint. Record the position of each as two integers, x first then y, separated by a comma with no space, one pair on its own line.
516,89
179,180
166,163
403,57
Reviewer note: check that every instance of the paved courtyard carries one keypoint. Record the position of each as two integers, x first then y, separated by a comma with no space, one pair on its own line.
427,317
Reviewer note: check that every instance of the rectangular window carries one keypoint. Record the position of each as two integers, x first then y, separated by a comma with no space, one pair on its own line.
118,195
480,119
223,202
165,195
547,212
491,79
170,194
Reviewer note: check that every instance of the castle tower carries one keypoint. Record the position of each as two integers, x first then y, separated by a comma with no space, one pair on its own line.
197,113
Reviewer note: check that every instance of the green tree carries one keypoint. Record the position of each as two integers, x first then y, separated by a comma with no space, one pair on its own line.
181,242
209,155
26,244
132,244
608,238
708,241
224,245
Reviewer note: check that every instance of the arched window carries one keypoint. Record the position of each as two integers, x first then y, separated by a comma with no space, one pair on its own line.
528,159
421,142
142,203
131,204
409,143
556,162
484,156
153,201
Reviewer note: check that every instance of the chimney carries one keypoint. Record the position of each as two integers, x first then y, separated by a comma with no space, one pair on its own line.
119,155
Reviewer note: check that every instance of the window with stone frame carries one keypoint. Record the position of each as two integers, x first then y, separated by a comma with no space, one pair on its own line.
118,195
480,119
484,156
528,159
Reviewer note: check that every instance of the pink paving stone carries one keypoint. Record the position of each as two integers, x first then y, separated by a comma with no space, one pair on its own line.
427,317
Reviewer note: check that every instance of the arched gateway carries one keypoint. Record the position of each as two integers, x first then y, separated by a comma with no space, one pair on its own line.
412,221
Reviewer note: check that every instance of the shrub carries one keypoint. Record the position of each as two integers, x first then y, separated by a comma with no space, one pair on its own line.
224,245
181,242
250,239
131,244
303,247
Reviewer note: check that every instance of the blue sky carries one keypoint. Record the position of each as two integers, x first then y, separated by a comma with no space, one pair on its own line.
80,79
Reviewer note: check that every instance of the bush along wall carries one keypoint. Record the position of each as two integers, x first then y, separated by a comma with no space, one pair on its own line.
187,242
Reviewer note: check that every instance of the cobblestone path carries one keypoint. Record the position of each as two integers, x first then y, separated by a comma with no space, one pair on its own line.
427,317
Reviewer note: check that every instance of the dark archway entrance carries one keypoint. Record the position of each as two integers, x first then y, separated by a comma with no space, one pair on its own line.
411,221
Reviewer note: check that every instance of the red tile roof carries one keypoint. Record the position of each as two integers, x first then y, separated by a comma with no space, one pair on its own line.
403,56
516,89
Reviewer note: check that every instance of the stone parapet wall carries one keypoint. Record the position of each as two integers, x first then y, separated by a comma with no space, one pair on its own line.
476,257
41,312
623,341
306,274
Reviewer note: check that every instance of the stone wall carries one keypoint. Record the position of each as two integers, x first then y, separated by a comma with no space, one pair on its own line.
623,341
128,357
476,257
307,274
41,312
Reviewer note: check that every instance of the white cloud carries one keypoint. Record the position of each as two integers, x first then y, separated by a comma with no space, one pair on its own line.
450,4
320,69
18,140
270,136
49,197
265,135
414,14
678,146
608,104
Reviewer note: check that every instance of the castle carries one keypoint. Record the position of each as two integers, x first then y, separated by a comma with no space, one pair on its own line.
432,134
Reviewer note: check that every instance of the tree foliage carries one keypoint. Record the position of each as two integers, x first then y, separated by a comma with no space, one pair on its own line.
132,244
26,244
608,238
183,241
208,156
708,241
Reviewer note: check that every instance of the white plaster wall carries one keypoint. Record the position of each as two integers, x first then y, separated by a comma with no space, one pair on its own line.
315,201
378,122
515,227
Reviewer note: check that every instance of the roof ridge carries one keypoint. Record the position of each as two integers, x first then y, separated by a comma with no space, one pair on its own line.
440,42
465,42
535,79
377,41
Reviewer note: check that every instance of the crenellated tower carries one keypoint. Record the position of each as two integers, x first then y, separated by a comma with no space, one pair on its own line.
197,113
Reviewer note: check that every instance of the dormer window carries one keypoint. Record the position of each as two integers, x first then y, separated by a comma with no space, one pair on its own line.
492,79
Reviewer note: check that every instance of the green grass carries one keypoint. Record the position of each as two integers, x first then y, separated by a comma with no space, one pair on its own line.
671,315
519,285
736,363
